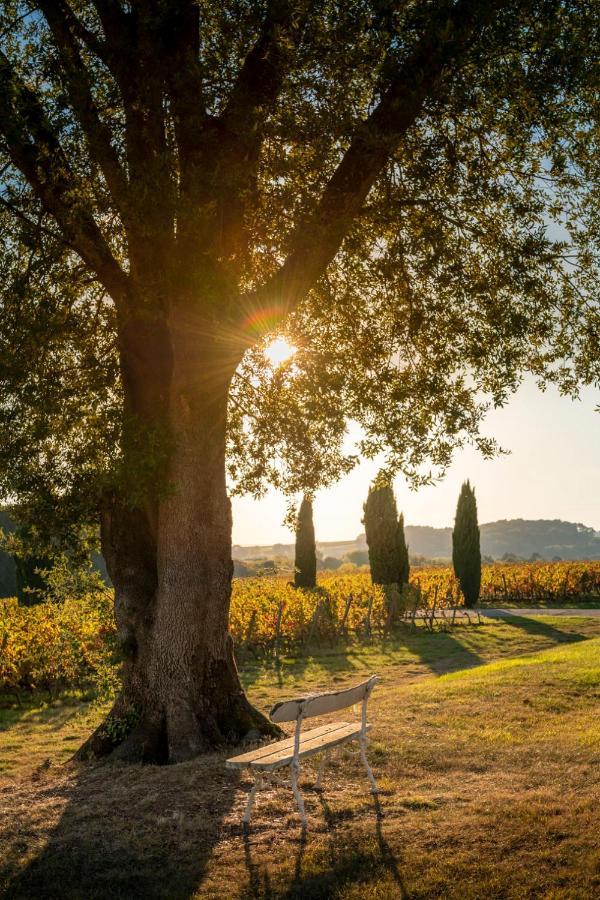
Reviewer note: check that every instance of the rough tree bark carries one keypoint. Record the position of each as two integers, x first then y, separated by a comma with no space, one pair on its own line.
170,562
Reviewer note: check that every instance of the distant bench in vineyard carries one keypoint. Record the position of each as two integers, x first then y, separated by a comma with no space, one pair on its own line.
447,615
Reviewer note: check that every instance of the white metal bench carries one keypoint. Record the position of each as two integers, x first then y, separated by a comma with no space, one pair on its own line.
264,760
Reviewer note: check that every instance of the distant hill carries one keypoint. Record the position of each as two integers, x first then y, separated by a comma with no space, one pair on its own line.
523,538
519,537
548,538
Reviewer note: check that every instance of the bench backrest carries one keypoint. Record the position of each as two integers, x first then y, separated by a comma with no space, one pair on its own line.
322,704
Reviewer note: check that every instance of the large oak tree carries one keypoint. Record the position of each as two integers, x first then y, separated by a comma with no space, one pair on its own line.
406,189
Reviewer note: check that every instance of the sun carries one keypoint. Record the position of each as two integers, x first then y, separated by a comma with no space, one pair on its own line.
279,351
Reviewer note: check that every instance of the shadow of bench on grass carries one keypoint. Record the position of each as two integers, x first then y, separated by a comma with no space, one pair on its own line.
338,863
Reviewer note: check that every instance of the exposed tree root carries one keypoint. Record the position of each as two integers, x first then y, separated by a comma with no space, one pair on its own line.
177,735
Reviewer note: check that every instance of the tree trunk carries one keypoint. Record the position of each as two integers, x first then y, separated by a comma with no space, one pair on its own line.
171,566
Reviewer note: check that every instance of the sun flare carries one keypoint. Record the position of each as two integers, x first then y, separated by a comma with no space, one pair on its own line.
279,351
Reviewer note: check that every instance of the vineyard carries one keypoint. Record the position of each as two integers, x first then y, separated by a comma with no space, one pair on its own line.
56,647
72,645
540,582
269,611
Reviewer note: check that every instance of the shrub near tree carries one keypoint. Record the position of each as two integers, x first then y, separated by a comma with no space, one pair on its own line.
466,551
330,563
30,583
305,565
358,557
30,565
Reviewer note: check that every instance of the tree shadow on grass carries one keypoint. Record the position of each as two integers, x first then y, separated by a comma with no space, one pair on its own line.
125,832
541,628
339,863
336,659
37,708
439,651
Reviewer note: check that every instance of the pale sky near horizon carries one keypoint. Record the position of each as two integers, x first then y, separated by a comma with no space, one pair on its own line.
553,472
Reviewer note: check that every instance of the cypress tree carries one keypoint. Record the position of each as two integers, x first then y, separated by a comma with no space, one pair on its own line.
404,570
381,529
466,551
305,567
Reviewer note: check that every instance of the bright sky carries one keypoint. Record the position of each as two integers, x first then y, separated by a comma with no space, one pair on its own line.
553,472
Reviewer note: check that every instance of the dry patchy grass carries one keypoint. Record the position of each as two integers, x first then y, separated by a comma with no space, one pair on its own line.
489,779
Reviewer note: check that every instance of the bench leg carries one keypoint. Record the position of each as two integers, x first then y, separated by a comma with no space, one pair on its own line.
255,787
363,755
318,782
295,769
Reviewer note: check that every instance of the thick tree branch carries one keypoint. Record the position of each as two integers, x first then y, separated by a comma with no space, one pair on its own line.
94,44
184,80
113,17
118,52
219,156
79,89
134,56
35,150
260,78
452,29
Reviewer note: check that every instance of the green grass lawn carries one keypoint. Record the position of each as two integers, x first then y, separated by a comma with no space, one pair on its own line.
486,744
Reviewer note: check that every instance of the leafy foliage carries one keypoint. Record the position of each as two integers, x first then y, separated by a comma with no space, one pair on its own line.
256,602
53,647
466,269
474,257
59,389
30,581
466,551
556,582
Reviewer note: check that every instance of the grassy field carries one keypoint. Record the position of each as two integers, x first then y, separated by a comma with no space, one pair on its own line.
486,745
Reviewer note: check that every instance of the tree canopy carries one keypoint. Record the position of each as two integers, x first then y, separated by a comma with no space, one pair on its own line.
408,191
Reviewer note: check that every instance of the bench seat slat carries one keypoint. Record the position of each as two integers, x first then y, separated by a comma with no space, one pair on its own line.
268,749
309,748
281,753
